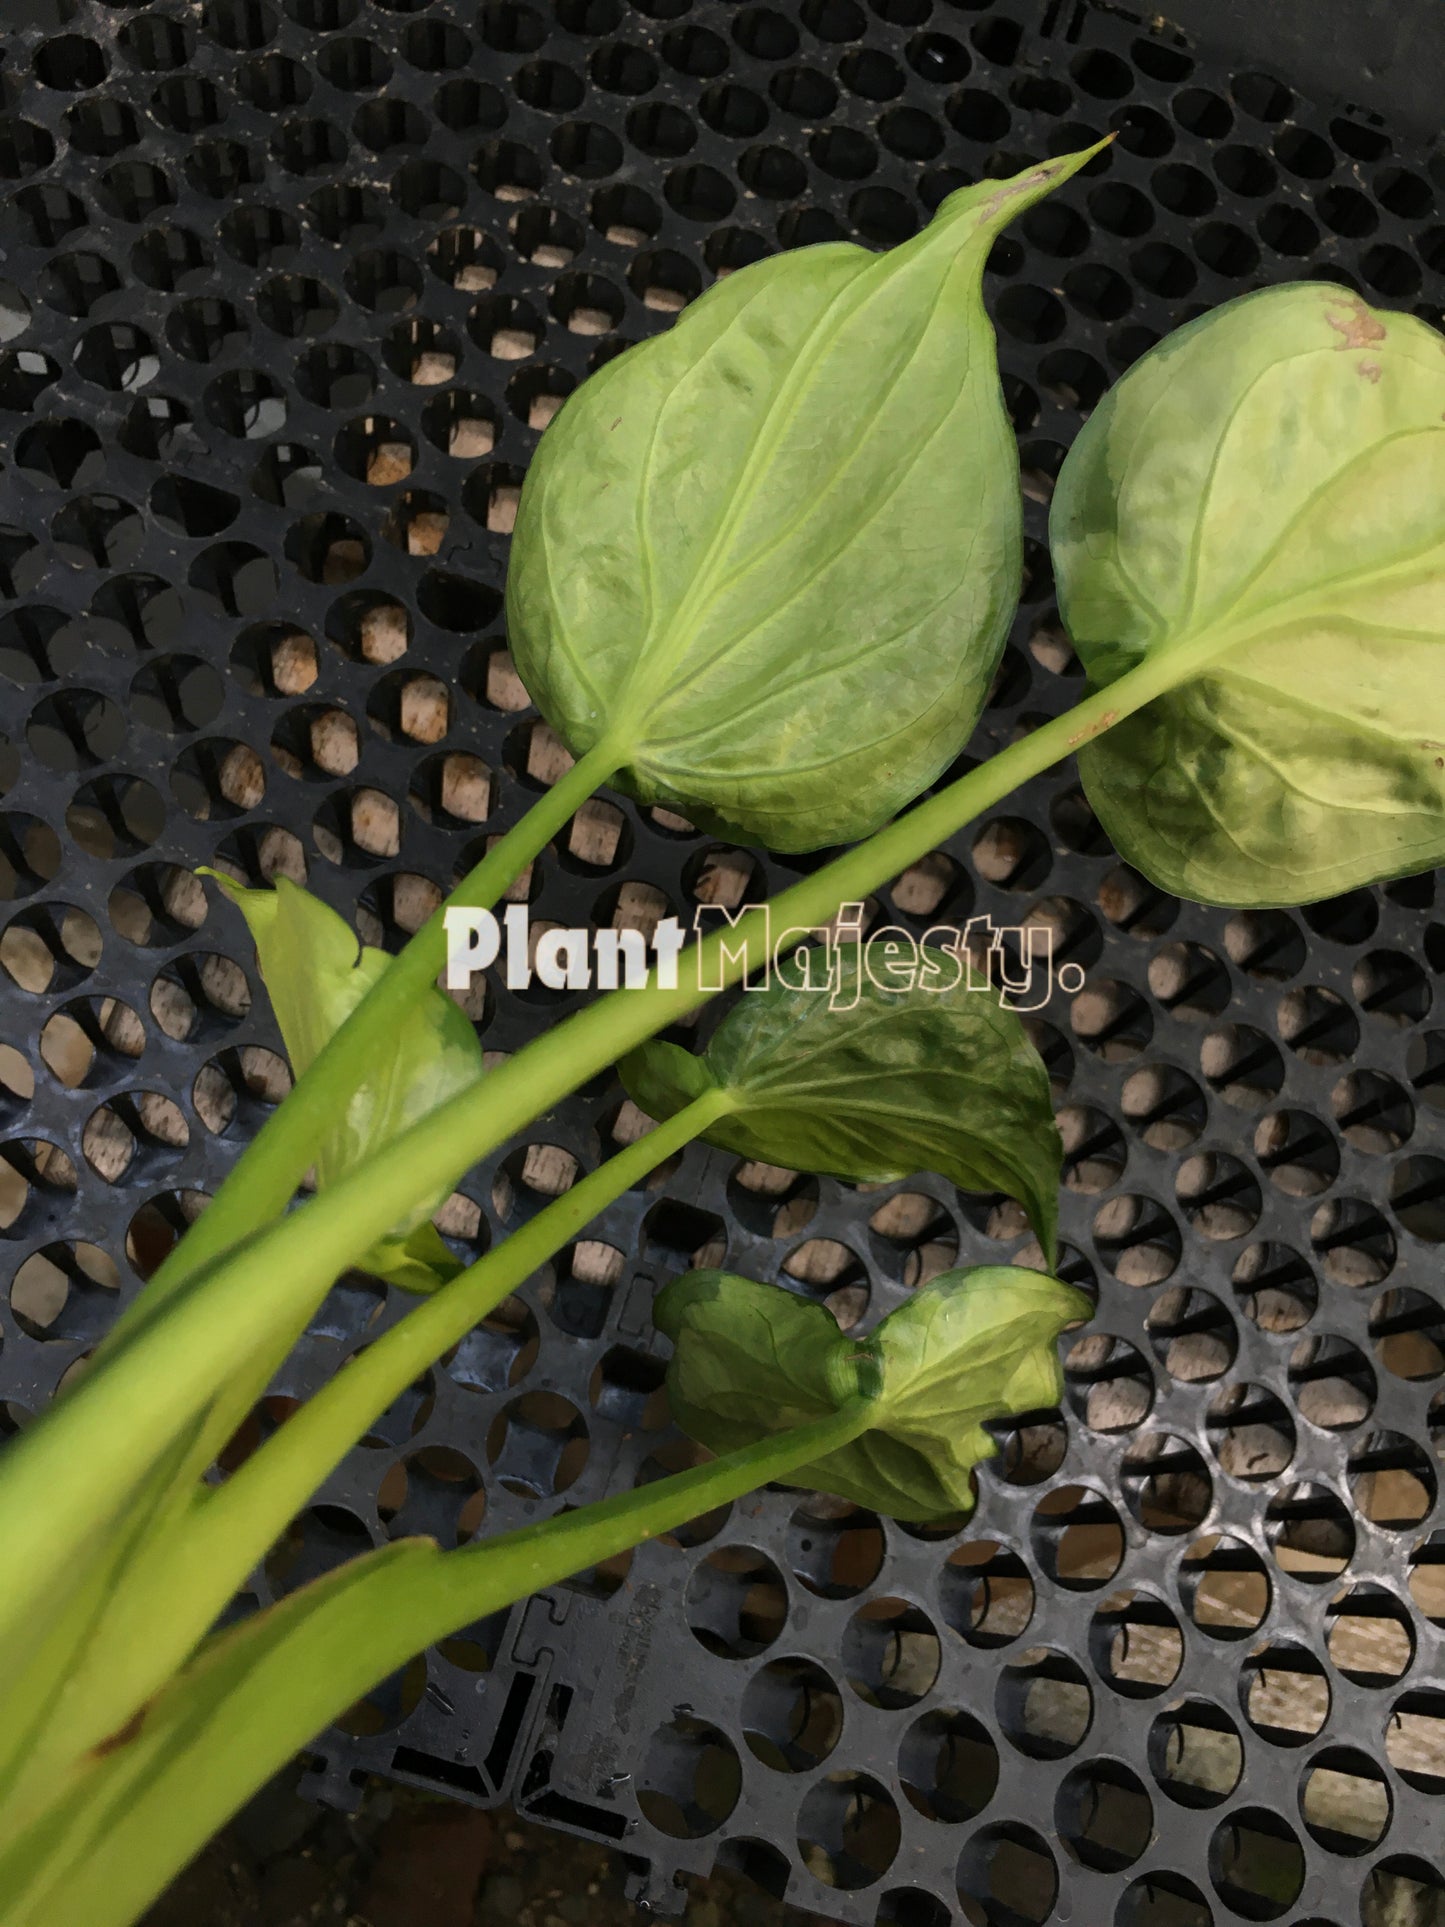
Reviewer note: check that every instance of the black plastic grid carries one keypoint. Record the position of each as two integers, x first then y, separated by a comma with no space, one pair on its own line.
289,292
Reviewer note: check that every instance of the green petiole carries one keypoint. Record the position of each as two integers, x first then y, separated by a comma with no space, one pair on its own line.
234,1307
276,1160
157,1619
133,1812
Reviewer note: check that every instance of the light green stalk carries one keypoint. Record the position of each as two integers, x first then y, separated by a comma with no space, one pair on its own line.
69,1465
276,1160
136,1810
153,1622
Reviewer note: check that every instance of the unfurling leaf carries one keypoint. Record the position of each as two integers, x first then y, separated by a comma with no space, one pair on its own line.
973,1345
1263,496
922,1079
309,959
771,556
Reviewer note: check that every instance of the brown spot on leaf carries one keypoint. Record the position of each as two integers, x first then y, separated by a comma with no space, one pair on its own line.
616,424
122,1736
1354,323
1370,370
997,202
1106,721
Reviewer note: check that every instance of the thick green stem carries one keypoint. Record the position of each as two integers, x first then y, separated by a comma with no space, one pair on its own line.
218,1732
67,1466
273,1165
271,1168
252,1506
166,1605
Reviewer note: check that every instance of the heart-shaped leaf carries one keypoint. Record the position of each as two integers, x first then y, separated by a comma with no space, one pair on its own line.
970,1346
771,556
309,959
922,1079
1262,498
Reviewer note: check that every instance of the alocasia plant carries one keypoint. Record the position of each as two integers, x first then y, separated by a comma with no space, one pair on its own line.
1261,503
120,1549
826,449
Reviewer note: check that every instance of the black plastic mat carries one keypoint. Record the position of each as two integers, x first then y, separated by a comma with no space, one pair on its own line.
288,293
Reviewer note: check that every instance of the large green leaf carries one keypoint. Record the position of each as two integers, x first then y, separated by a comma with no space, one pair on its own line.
771,556
973,1345
1265,492
309,959
921,1079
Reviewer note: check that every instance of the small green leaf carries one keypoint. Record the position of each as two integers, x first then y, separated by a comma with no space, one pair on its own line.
315,976
1263,497
771,556
972,1345
902,1081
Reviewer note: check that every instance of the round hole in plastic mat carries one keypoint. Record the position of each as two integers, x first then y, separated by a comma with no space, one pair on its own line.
1195,1753
849,1829
1136,1643
1332,1384
1251,1432
436,1492
52,947
891,1653
1163,1899
1400,1886
1007,1877
792,1715
1369,1635
1077,1537
1413,1738
1191,1334
948,1766
538,1444
1345,1800
63,1292
835,1548
1224,1586
1285,1693
986,1593
1392,1483
1166,1483
1256,1863
1043,1703
1103,1815
1310,1531
1109,1386
736,1602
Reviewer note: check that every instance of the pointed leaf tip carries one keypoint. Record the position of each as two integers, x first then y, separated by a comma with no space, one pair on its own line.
993,204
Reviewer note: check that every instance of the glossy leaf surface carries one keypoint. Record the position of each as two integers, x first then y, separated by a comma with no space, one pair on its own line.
772,554
1265,492
921,1079
308,958
972,1345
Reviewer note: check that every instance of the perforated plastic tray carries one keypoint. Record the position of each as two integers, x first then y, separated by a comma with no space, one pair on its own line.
289,291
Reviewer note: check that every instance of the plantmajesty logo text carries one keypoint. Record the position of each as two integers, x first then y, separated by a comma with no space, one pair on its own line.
1015,961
